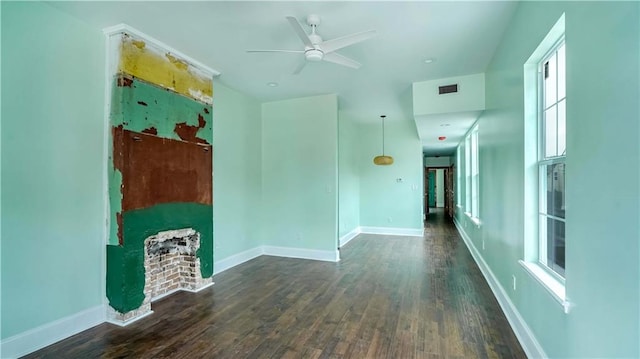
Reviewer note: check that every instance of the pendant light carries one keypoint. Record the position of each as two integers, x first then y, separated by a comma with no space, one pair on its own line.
383,160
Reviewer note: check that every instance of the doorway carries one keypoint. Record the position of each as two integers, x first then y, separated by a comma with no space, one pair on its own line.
438,189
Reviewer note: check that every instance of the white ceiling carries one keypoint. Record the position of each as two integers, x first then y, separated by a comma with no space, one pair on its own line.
460,36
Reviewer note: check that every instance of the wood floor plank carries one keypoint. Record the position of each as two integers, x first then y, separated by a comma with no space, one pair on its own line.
388,297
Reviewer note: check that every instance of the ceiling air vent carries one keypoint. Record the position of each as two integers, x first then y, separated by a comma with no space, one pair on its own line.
447,89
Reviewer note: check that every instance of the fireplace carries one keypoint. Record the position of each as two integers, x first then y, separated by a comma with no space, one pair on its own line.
170,265
160,174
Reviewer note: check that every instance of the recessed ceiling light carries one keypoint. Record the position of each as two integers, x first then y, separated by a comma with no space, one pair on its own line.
272,84
429,60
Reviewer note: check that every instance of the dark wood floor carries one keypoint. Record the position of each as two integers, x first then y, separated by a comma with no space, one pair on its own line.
389,297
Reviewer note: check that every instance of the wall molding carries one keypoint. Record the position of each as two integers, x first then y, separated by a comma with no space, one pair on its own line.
302,253
525,336
349,236
120,28
47,334
392,231
236,259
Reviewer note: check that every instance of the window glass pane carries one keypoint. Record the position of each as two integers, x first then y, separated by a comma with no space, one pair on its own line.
475,197
550,132
555,191
549,75
543,239
562,129
561,73
467,172
542,199
555,245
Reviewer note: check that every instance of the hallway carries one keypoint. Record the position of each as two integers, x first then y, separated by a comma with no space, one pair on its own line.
389,297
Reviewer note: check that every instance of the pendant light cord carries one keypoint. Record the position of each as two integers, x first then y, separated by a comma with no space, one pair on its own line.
383,116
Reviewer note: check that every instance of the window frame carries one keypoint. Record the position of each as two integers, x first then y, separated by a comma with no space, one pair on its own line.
467,174
475,173
472,175
544,162
529,262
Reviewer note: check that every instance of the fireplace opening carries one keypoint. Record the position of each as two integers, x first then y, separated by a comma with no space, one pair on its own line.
171,264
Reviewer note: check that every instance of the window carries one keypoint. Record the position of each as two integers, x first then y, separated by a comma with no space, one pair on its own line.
458,177
551,159
544,164
472,174
467,174
475,174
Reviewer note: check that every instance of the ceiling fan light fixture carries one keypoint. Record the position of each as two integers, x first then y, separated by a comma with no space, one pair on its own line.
314,55
383,160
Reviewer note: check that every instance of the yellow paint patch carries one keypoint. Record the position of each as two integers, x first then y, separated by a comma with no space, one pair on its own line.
182,65
156,66
138,43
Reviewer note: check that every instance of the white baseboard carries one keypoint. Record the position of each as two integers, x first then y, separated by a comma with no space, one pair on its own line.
40,337
222,265
391,231
349,236
302,253
47,334
525,336
197,290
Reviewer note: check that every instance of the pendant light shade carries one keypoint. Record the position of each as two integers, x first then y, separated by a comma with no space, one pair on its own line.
383,160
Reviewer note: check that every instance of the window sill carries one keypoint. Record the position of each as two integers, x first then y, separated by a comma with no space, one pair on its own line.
551,284
475,220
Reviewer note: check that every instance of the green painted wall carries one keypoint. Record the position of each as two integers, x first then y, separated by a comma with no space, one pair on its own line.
348,175
125,263
52,166
381,195
237,174
143,105
603,256
299,173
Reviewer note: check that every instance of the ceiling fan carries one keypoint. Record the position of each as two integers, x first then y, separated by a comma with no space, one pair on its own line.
317,50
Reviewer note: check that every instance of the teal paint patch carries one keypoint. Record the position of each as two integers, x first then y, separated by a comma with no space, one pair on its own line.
139,106
115,203
125,263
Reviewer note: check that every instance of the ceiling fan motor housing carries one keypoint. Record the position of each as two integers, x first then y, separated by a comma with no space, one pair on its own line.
313,55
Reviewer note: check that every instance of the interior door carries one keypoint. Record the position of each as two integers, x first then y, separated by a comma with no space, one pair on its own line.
426,192
447,188
450,191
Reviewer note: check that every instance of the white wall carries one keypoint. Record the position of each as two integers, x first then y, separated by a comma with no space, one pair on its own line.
391,196
440,188
470,95
602,179
300,173
53,202
441,161
237,172
348,175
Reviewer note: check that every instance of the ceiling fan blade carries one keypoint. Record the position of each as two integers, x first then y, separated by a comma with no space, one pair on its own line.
344,41
300,67
289,51
341,60
300,31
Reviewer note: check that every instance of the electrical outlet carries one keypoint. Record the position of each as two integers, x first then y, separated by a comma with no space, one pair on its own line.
513,277
389,219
